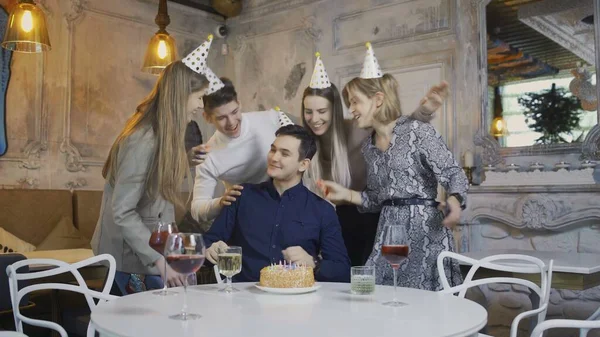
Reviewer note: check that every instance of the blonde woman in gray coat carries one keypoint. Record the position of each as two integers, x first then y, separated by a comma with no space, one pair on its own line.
144,171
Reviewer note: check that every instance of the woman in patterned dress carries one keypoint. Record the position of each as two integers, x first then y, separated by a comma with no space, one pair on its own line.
406,159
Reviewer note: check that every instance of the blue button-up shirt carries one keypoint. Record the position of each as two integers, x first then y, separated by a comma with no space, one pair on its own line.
264,223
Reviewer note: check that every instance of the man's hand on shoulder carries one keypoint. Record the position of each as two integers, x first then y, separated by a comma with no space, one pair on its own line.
231,195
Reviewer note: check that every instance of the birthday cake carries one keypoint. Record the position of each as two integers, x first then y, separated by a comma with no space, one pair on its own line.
287,276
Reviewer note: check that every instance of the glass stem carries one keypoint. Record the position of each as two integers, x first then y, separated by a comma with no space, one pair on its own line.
229,285
185,285
166,278
395,283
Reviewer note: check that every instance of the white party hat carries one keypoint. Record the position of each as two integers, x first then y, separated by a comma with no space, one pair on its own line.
283,118
196,60
320,79
214,82
371,68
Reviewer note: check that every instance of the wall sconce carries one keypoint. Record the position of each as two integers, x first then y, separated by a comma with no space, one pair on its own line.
499,128
161,50
26,29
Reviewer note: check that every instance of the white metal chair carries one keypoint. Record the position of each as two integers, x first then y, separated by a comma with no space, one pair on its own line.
515,263
60,267
584,326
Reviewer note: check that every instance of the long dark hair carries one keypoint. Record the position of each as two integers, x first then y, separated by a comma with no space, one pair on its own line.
340,169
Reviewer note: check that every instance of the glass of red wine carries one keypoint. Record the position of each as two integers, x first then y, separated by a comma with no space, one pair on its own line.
395,251
157,241
185,254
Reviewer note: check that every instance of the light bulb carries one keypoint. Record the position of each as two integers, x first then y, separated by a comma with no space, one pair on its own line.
162,49
27,22
499,125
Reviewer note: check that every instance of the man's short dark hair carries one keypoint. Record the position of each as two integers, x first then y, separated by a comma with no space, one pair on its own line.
308,145
220,97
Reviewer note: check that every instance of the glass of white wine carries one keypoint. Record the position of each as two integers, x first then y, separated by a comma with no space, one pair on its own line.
230,264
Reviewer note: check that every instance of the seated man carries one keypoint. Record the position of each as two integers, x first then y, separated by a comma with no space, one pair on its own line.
281,219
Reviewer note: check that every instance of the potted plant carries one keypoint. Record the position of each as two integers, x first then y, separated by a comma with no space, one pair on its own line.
553,113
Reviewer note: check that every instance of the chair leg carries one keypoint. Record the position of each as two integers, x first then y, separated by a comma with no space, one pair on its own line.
535,303
55,311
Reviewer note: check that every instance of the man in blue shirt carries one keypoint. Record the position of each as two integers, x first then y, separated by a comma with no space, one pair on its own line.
281,219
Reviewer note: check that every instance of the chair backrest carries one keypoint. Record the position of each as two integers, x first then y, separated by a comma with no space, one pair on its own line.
512,263
56,267
5,261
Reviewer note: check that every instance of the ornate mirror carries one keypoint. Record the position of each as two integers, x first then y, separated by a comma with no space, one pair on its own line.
537,65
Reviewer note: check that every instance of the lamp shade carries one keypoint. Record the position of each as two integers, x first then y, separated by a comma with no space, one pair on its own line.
26,29
160,53
499,127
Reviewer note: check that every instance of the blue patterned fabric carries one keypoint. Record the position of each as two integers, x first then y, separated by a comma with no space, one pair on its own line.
5,57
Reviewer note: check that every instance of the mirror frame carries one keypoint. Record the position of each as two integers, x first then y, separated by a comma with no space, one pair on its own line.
492,153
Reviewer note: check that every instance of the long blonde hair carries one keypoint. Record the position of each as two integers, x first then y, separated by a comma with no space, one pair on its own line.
340,168
390,109
163,110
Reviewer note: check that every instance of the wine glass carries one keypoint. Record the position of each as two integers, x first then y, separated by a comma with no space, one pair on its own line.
395,250
230,264
185,254
157,241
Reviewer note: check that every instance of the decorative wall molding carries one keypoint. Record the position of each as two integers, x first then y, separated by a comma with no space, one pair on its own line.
535,211
77,183
34,147
33,151
73,159
308,24
269,8
376,24
145,23
28,183
560,177
312,29
45,8
77,8
490,154
591,144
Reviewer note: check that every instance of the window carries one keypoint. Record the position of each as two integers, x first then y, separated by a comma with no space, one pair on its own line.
519,133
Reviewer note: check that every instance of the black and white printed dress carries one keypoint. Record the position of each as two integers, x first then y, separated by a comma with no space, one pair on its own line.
411,167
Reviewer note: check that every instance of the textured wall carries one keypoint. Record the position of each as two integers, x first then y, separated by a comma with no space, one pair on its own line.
65,107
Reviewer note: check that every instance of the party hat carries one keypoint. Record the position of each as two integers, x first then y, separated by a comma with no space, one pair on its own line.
214,82
196,60
371,68
283,118
320,79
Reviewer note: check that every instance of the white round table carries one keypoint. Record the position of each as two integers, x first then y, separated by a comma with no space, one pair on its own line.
330,311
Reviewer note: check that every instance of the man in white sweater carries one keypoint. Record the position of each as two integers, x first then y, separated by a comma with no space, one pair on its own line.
238,151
